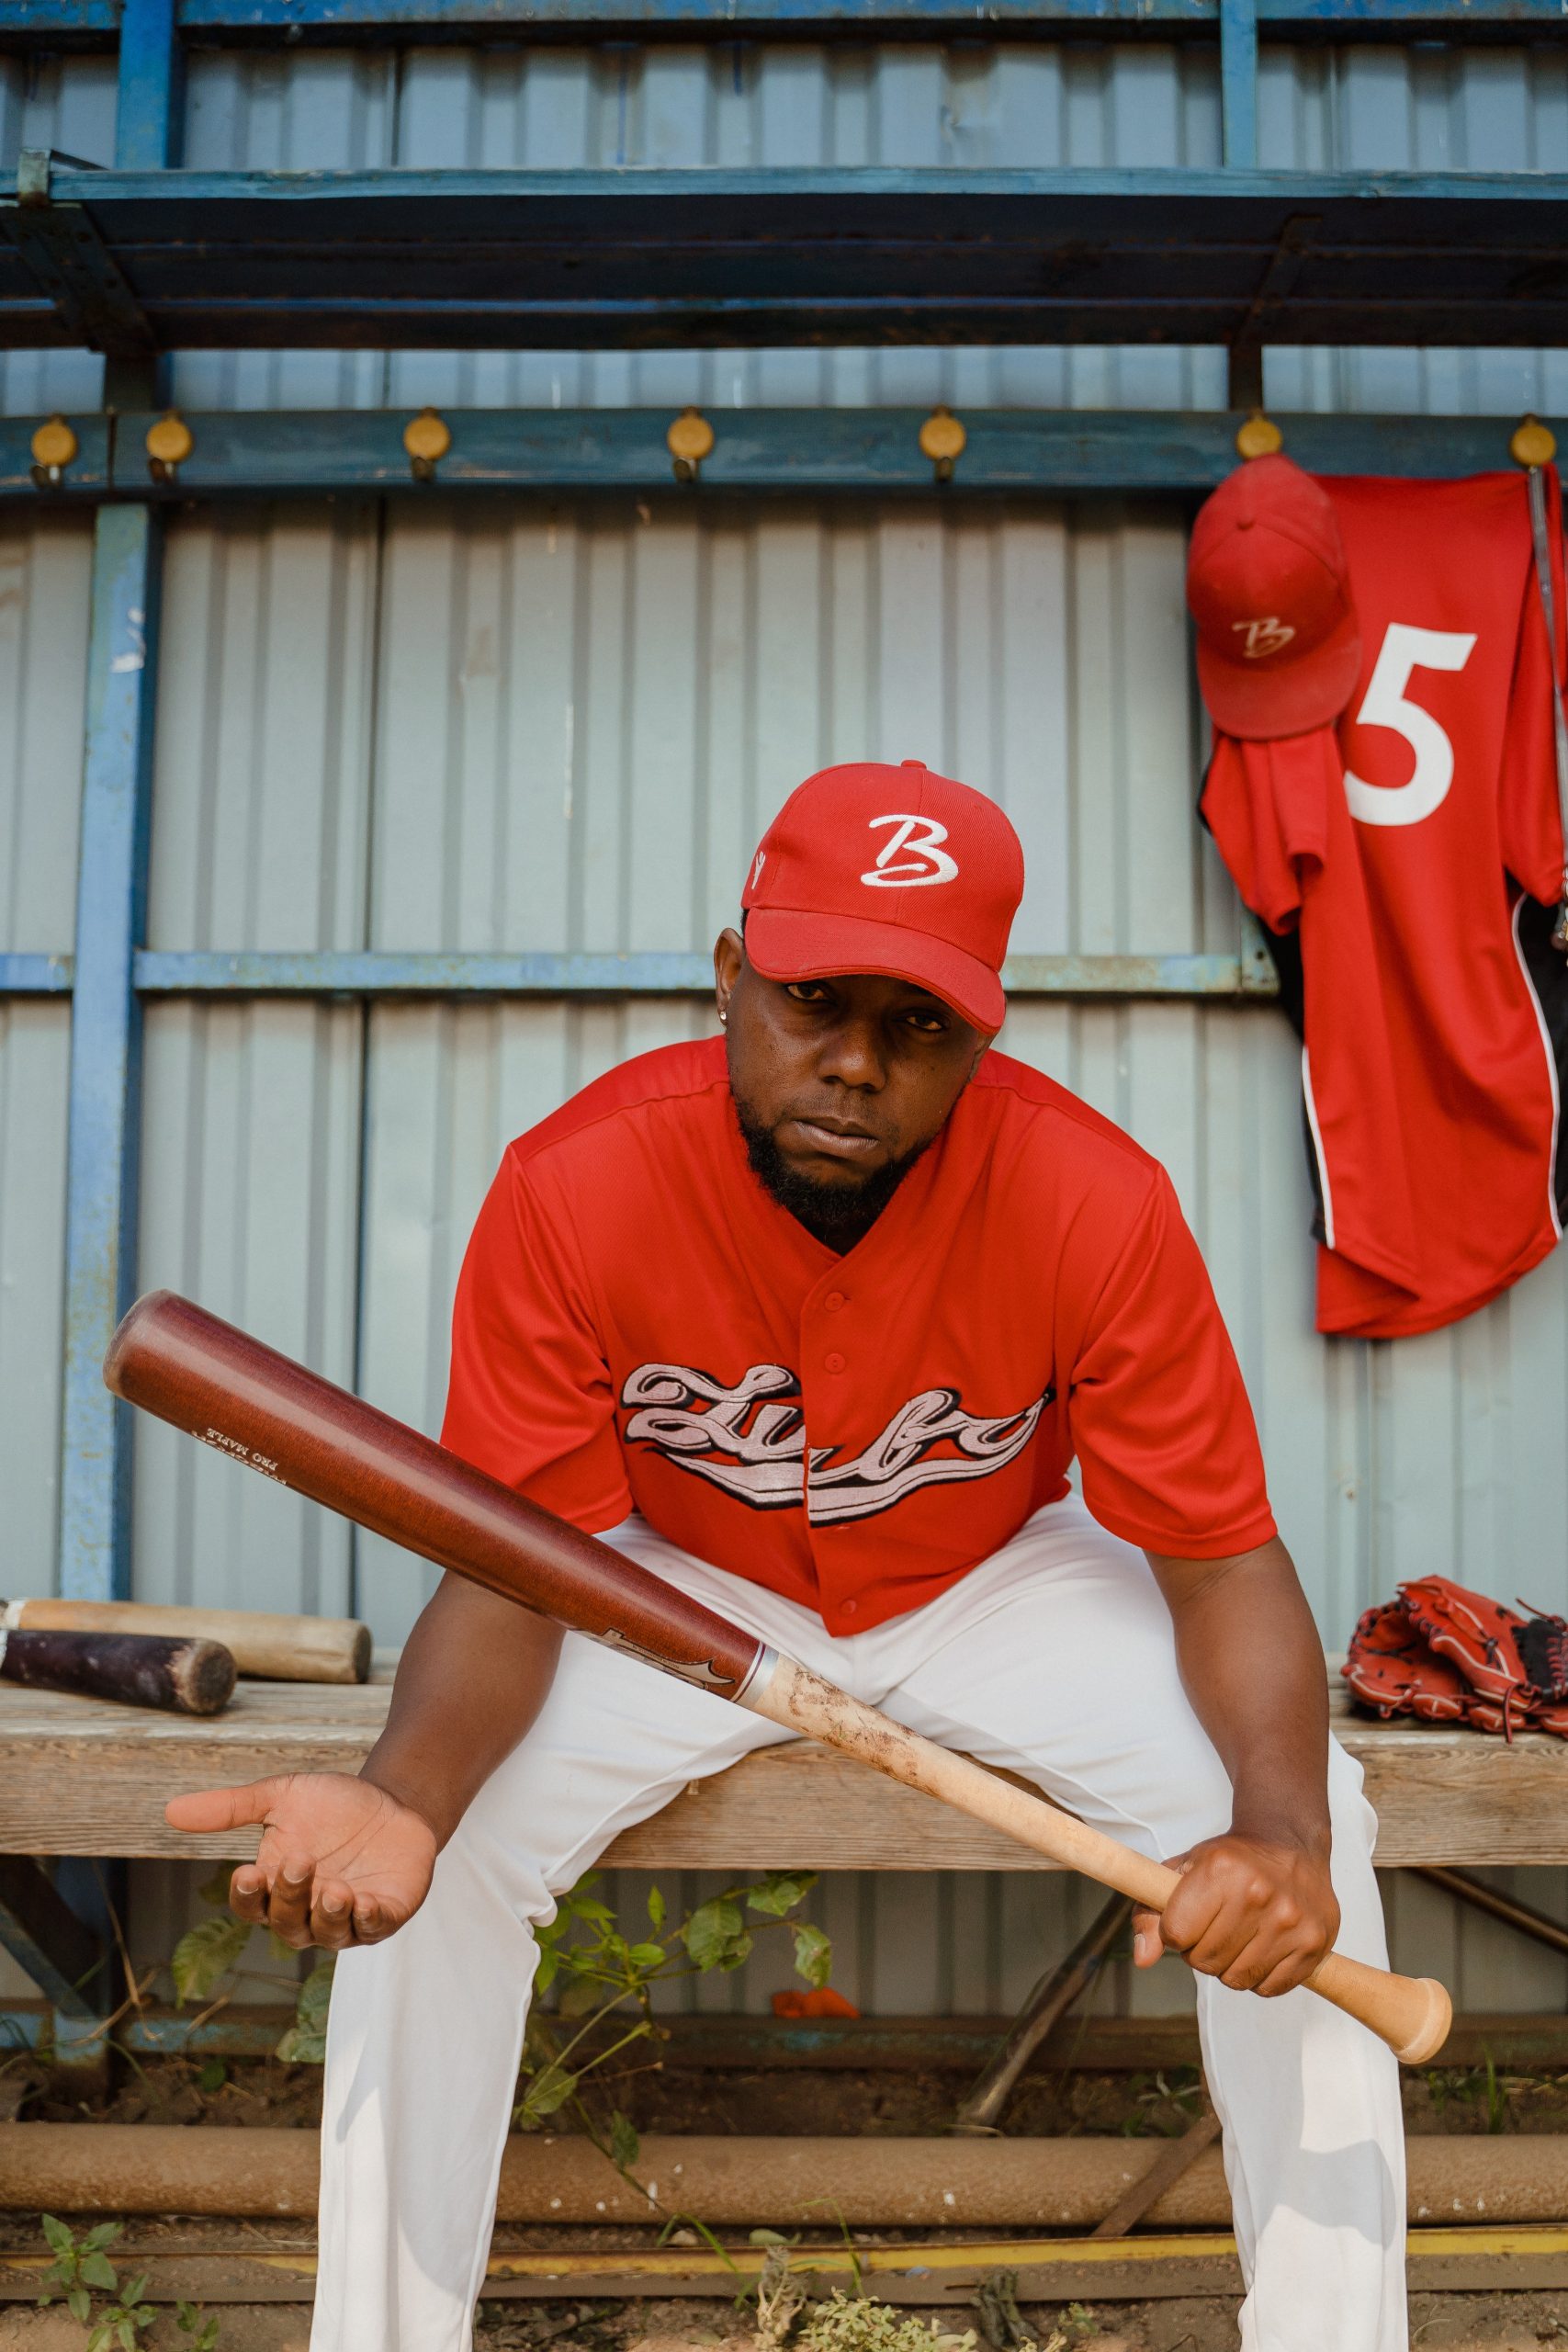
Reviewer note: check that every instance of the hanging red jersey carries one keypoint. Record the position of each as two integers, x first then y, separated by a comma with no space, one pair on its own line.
1416,847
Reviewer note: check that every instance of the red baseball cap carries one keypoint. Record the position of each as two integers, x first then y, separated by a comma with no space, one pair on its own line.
1268,583
870,867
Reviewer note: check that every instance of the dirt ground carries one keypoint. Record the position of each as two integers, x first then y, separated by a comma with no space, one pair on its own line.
876,2102
783,2100
1438,2324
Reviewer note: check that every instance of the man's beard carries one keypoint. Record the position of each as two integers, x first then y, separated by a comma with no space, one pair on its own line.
836,1215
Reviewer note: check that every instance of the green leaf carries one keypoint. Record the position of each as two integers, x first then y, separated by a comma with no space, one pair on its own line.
59,2237
78,2303
186,2317
585,1993
299,2047
315,1995
780,1891
813,1955
655,1907
600,1913
625,2145
644,1957
736,1956
711,1932
97,2270
217,1887
135,2291
126,2330
545,1975
550,2088
213,2075
100,2338
103,2233
204,1954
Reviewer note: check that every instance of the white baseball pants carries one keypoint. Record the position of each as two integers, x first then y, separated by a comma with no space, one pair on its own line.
1054,1658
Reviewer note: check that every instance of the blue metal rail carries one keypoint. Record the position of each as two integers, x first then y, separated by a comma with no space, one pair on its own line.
132,261
163,972
52,22
242,453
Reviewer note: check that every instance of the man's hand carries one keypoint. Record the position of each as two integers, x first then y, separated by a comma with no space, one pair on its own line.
341,1861
1257,1915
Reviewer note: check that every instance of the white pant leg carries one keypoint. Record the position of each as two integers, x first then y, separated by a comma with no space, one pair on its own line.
1057,1658
426,2029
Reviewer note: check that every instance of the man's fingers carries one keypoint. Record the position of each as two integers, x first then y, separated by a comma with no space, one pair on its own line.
288,1904
332,1915
1148,1943
207,1809
247,1894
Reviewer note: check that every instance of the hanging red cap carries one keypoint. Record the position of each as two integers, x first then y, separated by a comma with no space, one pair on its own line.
1268,583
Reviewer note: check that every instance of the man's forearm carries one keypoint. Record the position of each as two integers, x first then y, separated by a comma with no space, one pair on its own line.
1263,1700
473,1676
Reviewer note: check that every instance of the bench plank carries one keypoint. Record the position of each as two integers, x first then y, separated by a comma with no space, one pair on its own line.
80,1776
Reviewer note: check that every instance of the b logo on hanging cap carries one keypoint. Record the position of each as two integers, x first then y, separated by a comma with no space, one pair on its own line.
928,861
1261,638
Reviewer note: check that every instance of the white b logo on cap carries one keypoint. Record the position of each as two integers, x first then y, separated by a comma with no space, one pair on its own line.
927,862
1270,635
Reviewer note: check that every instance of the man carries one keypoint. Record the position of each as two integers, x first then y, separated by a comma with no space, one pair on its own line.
811,1321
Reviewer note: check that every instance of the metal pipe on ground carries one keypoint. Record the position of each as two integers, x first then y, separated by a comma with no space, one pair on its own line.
1497,1905
942,2183
1045,2007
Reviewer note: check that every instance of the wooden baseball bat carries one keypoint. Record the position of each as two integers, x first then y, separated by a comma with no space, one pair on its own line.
183,1677
175,1359
276,1649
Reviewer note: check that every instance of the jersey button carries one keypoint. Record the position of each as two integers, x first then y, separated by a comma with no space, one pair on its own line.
852,1608
834,1361
834,1300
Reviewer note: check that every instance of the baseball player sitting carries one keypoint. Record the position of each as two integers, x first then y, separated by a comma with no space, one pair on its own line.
812,1320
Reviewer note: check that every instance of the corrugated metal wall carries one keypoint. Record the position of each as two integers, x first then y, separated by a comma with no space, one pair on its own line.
536,725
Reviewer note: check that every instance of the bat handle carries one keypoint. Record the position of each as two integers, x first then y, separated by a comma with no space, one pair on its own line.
1411,2014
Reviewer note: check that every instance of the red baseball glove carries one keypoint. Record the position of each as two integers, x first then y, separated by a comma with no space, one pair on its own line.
1446,1655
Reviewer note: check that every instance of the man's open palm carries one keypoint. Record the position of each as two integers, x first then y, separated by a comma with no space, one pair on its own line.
340,1862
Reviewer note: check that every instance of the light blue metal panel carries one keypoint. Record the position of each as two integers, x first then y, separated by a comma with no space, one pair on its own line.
34,1062
66,103
106,1048
45,570
263,777
250,1205
1398,108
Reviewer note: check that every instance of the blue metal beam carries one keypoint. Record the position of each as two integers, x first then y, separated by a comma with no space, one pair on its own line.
35,976
653,259
106,1041
50,22
242,453
163,973
150,109
1238,83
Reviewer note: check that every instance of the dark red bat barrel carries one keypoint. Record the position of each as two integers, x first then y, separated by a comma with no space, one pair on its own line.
173,1359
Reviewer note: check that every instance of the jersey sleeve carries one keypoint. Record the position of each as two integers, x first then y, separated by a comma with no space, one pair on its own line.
1528,815
1264,804
529,1397
1159,1419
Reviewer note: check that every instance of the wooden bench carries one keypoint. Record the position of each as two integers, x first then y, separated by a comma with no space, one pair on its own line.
80,1777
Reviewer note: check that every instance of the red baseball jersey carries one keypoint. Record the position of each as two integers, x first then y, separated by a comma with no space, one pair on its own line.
1419,849
639,1325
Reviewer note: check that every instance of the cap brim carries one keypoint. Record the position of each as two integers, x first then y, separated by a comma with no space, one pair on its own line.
787,945
1258,704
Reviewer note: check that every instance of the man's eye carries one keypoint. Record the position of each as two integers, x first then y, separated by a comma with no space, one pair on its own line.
929,1025
809,992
